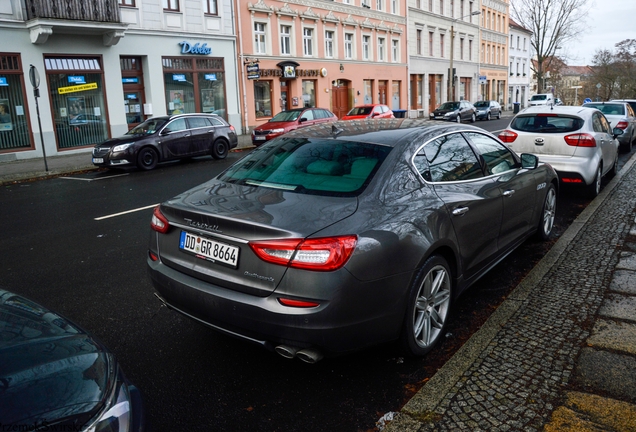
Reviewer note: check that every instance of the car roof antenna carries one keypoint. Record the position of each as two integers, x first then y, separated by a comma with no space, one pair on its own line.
335,130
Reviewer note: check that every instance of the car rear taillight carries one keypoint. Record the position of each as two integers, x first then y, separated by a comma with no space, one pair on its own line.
580,140
159,222
297,303
508,136
622,125
319,254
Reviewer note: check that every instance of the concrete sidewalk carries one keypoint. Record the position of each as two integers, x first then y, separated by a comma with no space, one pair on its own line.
560,353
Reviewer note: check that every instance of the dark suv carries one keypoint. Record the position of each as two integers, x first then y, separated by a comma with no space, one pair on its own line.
166,138
290,120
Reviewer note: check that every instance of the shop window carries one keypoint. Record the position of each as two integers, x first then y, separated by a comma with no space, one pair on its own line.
133,86
195,85
77,97
263,98
309,93
14,127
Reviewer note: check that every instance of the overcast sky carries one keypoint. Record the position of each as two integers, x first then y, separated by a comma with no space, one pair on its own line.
609,22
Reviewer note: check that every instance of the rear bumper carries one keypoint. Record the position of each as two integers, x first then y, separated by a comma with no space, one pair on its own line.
352,319
573,167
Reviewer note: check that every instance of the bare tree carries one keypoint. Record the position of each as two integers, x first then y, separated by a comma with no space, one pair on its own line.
553,23
614,72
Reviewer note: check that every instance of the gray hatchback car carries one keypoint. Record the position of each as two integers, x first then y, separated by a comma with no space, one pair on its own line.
337,237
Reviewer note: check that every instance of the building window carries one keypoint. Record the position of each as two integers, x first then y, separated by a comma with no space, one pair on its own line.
396,51
452,8
441,45
348,46
366,42
394,6
379,5
171,5
381,48
461,48
126,3
430,5
263,98
259,38
430,44
470,50
461,8
441,7
14,123
418,41
470,11
524,44
209,7
308,42
329,43
309,93
79,116
285,43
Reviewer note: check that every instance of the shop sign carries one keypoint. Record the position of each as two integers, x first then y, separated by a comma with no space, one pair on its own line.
3,82
187,48
130,80
76,79
77,88
210,77
178,77
253,71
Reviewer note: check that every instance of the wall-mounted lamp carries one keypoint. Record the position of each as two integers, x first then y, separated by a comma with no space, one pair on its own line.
248,60
358,92
341,67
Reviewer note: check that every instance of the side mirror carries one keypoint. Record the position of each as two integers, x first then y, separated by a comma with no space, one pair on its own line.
617,132
529,161
165,131
302,120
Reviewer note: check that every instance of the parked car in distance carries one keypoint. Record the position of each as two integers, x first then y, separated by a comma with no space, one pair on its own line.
631,102
334,238
577,141
620,115
541,99
165,138
369,111
290,120
55,376
458,111
487,109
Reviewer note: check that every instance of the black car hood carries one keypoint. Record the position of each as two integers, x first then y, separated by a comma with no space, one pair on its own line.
51,371
124,139
444,111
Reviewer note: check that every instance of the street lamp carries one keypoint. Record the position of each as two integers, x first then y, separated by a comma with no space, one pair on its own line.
451,74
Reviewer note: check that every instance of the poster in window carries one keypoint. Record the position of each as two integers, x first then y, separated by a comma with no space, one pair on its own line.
5,116
207,98
176,102
76,106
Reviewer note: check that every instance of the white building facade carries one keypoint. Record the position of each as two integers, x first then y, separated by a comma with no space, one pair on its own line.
105,66
430,55
519,80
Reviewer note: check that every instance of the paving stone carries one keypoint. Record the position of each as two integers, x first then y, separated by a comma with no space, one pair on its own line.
627,261
619,306
624,281
607,372
614,335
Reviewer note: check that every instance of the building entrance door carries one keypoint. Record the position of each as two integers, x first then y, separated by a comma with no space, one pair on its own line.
340,97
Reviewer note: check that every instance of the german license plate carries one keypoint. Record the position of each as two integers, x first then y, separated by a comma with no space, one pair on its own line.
209,250
260,138
98,160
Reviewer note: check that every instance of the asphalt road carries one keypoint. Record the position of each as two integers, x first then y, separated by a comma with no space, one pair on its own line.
79,246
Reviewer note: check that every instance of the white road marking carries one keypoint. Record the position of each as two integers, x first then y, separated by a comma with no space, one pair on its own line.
93,179
125,212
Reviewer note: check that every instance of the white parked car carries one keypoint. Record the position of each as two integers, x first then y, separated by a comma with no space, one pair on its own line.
621,115
541,99
578,142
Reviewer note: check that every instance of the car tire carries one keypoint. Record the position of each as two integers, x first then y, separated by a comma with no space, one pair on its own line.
458,119
488,117
594,188
627,147
473,118
614,170
499,115
220,149
147,158
428,307
546,223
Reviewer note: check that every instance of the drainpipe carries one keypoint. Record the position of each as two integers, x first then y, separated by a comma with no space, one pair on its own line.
244,121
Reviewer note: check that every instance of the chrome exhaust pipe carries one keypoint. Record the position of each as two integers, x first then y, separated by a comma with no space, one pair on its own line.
286,351
309,355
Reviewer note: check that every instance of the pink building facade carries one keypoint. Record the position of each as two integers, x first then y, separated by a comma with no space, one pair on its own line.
333,55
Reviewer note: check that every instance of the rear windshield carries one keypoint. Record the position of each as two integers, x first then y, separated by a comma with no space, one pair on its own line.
609,109
539,97
551,123
360,111
311,166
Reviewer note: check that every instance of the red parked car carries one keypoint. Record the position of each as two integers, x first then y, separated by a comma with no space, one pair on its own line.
369,111
290,120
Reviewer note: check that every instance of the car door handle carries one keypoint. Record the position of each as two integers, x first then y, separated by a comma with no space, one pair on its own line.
509,193
459,211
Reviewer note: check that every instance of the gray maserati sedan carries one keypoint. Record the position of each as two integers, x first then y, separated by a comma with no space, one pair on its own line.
337,237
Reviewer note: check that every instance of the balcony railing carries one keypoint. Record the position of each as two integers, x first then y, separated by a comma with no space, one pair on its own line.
78,10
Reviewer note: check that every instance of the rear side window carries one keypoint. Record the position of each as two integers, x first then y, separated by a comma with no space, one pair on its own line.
609,109
309,166
550,123
309,115
448,159
498,159
198,122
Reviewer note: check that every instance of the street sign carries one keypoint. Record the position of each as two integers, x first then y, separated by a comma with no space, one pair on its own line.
587,100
